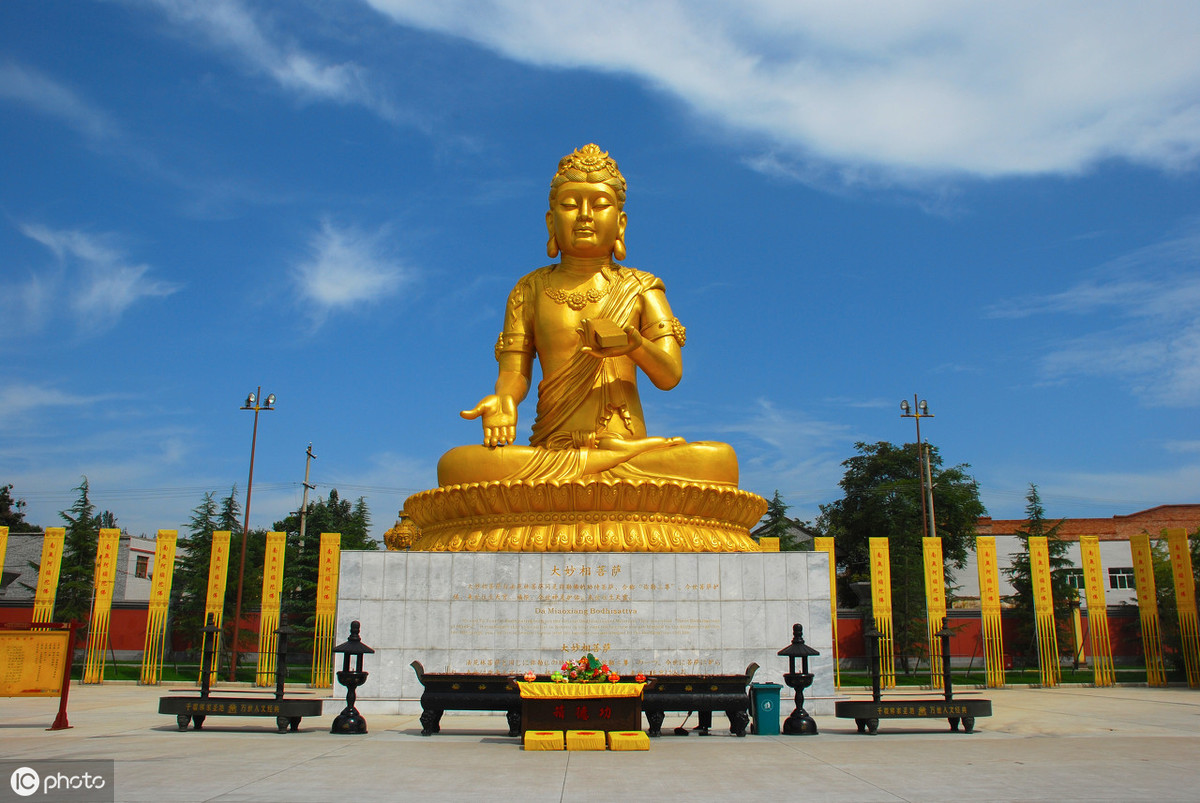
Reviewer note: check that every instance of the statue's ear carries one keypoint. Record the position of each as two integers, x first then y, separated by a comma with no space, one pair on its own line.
619,245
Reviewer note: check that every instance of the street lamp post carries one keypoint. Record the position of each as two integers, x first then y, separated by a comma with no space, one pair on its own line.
252,403
924,471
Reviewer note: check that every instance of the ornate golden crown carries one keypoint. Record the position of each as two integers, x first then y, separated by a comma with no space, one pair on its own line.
588,159
589,163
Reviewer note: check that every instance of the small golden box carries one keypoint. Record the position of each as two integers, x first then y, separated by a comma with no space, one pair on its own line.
604,334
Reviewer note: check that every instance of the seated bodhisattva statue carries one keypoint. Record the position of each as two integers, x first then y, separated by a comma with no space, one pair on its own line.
592,324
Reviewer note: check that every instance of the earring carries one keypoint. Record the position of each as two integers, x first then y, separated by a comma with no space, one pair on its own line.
619,249
552,247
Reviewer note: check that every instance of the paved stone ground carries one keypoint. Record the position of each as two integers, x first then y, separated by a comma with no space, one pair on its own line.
1065,744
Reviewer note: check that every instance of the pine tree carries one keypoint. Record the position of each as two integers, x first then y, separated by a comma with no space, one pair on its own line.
77,575
230,515
190,584
776,524
251,572
332,515
191,578
1020,575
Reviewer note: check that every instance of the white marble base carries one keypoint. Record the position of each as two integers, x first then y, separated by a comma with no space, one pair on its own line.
677,613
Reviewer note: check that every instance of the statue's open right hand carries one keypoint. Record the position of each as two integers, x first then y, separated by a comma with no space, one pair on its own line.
499,419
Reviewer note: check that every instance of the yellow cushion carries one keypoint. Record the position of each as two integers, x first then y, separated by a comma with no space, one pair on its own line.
628,740
585,740
543,740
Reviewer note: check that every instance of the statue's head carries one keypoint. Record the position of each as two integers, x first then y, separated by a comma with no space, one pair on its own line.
587,199
591,165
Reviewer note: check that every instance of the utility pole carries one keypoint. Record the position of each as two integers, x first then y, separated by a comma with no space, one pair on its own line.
304,504
929,490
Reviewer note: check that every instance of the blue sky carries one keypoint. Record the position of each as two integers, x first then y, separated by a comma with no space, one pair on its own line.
994,206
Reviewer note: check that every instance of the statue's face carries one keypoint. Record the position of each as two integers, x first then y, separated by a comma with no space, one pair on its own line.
585,219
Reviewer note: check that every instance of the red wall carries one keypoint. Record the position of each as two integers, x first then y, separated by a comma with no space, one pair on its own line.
127,625
966,641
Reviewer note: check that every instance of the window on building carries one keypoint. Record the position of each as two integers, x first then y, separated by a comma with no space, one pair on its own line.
142,569
1121,577
1074,578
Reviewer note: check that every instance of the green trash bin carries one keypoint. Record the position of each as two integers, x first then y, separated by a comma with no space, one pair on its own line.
764,703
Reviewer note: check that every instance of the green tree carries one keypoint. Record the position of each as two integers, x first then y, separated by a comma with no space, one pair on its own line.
776,522
12,512
230,515
332,515
75,580
882,498
1021,578
190,584
191,580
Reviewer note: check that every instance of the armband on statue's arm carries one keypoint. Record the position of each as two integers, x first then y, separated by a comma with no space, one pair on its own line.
660,329
513,341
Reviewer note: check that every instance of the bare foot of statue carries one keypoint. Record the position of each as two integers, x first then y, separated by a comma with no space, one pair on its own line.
610,452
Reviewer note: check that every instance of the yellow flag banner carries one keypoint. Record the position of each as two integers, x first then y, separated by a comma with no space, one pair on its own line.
102,595
160,600
825,544
3,545
935,604
268,619
214,600
47,585
327,591
989,603
881,608
1043,611
1097,608
1185,601
1147,597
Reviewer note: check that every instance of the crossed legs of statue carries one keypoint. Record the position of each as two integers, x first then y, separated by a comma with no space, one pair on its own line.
641,459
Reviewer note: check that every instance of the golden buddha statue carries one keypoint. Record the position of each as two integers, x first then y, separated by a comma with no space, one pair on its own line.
592,324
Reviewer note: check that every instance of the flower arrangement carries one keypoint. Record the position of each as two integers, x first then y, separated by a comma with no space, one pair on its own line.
587,669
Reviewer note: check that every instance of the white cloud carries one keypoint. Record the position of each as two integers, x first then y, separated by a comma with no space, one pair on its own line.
1093,494
785,449
1141,313
348,267
904,89
37,90
230,25
19,398
93,278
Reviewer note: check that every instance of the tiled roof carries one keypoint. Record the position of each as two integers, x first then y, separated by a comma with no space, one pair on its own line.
1116,528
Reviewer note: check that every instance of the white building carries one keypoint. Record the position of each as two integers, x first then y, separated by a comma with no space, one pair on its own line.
135,567
1116,559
